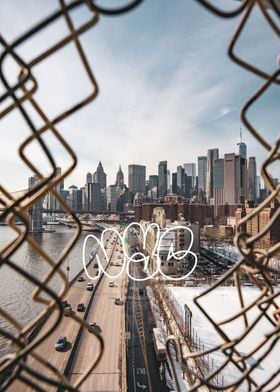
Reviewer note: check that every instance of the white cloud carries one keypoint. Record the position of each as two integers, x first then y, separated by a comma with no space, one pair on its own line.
165,95
225,111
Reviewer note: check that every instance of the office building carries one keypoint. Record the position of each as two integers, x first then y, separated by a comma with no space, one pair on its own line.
242,148
176,237
258,187
112,198
252,179
181,190
162,179
190,170
137,178
218,181
153,186
120,178
168,182
235,179
202,169
212,155
174,183
259,222
100,176
188,186
94,197
88,178
75,197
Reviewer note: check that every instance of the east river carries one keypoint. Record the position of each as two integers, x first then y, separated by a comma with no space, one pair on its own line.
16,291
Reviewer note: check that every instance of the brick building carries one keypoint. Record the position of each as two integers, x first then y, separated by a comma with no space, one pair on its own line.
259,222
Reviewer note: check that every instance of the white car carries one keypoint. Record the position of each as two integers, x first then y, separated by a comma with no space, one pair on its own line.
89,286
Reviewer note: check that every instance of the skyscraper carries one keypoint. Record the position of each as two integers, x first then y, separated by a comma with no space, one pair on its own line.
88,178
188,186
112,198
94,196
168,181
242,148
212,155
153,185
76,198
252,179
100,176
120,178
162,178
137,178
229,179
174,183
218,181
190,170
181,190
241,179
235,179
202,168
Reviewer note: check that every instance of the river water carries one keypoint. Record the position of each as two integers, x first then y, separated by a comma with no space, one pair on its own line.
16,291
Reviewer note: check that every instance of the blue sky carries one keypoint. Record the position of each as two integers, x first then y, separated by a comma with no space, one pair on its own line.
167,89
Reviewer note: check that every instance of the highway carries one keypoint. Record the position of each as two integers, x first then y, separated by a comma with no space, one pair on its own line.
143,369
107,375
67,327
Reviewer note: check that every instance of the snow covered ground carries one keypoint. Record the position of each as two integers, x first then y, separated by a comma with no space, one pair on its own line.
220,304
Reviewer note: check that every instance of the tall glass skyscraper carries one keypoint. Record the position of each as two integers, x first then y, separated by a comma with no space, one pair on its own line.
212,155
137,178
202,168
162,178
190,171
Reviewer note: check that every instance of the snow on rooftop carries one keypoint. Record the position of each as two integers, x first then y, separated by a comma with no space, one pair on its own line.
224,302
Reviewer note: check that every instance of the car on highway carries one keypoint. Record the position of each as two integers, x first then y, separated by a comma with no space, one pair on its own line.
80,279
81,307
111,284
60,343
89,286
67,310
64,303
96,327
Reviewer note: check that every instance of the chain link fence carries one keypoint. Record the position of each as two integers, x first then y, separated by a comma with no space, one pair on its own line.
254,262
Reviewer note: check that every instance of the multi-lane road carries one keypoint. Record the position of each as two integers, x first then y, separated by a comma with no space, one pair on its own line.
107,374
105,313
130,322
143,370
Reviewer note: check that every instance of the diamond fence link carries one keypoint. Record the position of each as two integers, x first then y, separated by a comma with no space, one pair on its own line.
16,369
255,262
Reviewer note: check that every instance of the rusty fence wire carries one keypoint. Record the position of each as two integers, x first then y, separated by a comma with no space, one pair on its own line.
254,262
16,368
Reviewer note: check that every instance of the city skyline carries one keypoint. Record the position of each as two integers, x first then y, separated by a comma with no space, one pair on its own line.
124,168
172,103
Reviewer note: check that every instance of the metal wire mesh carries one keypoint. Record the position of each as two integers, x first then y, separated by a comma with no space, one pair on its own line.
255,262
16,366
